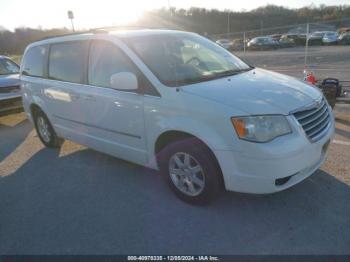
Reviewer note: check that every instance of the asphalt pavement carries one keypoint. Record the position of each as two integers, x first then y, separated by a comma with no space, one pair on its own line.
79,201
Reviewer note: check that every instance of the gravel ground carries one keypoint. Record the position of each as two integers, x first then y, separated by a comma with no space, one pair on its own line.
325,61
79,201
338,162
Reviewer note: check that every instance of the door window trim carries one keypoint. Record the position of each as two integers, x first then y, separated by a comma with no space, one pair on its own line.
85,56
44,64
149,90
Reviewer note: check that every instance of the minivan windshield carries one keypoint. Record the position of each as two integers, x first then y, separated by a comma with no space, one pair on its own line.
180,59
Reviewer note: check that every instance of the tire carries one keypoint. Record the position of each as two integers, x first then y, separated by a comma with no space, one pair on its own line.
45,131
197,183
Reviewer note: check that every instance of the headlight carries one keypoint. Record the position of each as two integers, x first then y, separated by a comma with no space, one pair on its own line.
261,128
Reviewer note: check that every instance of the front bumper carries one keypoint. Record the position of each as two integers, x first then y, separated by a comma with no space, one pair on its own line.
271,168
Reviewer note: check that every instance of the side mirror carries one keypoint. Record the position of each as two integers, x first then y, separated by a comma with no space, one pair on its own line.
124,81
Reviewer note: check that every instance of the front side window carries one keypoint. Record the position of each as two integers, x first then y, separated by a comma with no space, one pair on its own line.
7,67
318,34
106,59
34,61
270,40
67,61
179,59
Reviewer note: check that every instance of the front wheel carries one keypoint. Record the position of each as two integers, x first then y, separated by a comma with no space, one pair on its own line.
191,171
45,130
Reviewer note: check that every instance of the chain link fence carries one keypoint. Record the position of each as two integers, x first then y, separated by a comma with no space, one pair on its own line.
323,48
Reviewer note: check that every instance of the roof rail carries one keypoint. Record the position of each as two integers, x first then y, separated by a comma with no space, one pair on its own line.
102,30
111,28
75,33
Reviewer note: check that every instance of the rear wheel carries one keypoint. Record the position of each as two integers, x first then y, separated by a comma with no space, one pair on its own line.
45,130
191,171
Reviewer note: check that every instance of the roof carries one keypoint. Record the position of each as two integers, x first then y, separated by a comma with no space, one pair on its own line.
143,32
262,37
123,33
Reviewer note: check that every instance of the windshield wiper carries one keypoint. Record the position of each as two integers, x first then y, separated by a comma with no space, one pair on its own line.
231,72
188,81
226,73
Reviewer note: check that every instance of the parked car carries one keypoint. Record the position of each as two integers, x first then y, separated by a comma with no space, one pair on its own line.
10,95
276,37
286,41
344,38
262,43
330,38
237,45
177,102
225,43
316,38
298,39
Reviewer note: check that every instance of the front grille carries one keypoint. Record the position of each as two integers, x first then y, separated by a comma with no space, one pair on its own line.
9,89
10,104
315,120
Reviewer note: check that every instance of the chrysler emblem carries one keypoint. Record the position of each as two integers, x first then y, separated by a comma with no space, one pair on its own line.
318,103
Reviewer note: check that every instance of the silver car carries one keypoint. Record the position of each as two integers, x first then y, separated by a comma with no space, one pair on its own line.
10,95
330,38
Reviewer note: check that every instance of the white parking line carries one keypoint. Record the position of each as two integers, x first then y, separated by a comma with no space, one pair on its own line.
341,142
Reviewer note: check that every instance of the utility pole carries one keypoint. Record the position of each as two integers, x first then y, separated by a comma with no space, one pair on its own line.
228,24
244,43
71,17
306,45
262,22
169,6
170,10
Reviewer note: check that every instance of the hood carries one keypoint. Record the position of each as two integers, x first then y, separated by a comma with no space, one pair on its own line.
258,92
9,80
330,37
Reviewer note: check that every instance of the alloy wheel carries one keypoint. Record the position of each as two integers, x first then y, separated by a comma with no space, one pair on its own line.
186,173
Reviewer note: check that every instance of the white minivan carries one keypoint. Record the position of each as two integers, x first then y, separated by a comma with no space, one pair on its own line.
179,103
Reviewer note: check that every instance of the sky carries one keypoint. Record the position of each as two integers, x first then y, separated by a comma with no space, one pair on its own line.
97,13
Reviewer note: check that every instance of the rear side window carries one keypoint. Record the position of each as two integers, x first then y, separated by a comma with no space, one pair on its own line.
105,60
34,61
67,61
